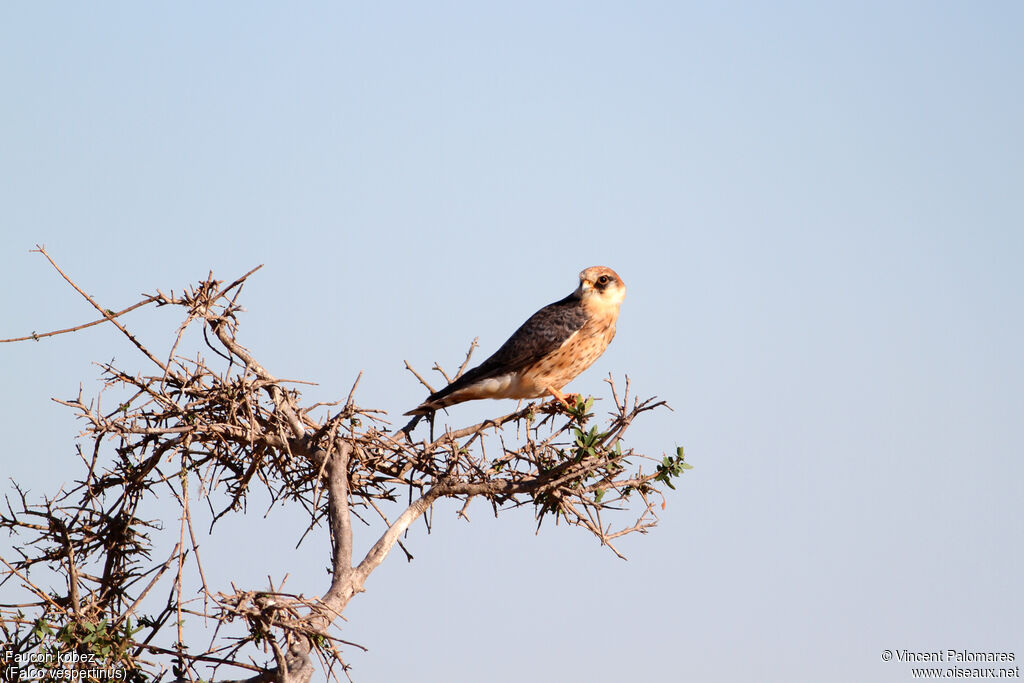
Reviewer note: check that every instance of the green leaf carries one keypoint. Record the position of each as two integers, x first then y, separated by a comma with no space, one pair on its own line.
41,629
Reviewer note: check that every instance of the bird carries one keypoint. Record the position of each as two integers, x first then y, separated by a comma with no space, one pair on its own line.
548,351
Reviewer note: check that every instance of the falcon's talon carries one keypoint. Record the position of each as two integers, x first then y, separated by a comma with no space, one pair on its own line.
562,398
548,351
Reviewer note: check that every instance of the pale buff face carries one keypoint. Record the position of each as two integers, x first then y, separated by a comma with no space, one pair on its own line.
601,288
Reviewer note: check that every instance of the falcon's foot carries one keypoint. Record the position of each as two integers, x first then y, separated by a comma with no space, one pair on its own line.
564,399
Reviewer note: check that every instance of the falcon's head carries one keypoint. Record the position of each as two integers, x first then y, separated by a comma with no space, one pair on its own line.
602,287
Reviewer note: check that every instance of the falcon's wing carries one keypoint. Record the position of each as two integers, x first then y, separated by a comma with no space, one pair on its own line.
543,333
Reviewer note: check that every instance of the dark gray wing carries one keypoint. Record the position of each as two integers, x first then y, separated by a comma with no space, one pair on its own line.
541,334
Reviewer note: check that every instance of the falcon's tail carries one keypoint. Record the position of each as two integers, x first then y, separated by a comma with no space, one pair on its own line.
469,386
438,400
425,408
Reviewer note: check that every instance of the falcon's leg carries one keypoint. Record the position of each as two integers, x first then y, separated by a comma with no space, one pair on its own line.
562,398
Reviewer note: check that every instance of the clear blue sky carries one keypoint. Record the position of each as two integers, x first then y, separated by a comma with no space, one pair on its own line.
818,209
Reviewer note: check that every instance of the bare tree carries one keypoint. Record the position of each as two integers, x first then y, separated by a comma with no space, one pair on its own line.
217,429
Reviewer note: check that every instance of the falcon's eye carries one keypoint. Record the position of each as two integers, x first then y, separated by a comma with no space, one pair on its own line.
603,280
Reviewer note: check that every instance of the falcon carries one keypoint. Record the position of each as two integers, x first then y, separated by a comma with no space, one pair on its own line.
548,351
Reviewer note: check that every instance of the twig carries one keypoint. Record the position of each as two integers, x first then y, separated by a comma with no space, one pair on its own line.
37,336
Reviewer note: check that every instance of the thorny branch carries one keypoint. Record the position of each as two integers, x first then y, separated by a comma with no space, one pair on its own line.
217,432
